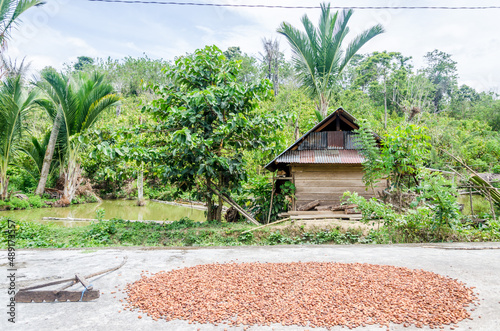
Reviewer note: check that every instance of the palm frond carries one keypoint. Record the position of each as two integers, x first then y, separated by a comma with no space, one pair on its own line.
317,53
35,152
15,103
334,54
10,10
359,41
97,108
304,56
80,99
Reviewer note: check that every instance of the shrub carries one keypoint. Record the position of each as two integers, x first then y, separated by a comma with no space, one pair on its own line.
36,201
183,223
259,190
100,232
17,203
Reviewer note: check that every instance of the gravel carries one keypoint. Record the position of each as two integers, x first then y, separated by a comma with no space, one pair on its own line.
309,294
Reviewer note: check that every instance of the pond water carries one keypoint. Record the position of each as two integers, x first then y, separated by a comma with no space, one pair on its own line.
125,209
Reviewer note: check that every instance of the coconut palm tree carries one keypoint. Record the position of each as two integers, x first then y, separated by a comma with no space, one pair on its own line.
74,104
15,103
318,54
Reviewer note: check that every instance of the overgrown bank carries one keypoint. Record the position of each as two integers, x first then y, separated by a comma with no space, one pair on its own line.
186,232
31,201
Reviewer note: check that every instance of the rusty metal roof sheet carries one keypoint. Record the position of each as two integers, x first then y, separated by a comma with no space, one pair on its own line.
321,157
335,139
313,140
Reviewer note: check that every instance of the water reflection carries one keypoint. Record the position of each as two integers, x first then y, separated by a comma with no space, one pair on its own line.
125,209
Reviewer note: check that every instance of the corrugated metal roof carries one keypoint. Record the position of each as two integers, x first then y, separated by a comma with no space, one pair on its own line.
350,140
351,157
321,157
334,140
330,140
306,156
316,140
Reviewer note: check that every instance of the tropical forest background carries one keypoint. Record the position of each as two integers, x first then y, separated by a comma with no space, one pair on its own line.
209,121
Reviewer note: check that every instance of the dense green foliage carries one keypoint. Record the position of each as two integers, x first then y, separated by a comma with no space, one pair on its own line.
402,154
15,104
257,198
212,119
186,232
418,204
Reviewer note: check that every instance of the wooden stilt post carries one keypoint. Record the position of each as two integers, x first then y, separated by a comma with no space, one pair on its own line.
471,207
492,207
272,196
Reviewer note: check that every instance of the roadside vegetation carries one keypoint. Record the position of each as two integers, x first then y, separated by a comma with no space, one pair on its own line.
188,233
207,123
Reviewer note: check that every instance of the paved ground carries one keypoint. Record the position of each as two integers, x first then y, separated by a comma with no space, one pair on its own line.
475,264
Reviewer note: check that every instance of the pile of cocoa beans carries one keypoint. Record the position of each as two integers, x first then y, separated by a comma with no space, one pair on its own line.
309,294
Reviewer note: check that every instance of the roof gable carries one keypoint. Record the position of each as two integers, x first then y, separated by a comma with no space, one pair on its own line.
339,120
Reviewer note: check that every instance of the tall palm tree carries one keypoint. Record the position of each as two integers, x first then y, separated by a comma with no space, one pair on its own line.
318,54
74,104
15,103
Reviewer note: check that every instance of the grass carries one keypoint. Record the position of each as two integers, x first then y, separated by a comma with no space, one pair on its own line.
480,205
186,232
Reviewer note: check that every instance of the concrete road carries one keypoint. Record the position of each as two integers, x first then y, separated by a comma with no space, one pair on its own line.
477,265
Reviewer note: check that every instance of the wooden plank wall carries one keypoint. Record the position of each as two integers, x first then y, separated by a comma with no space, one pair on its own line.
327,182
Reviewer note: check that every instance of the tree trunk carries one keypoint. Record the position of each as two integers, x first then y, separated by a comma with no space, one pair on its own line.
210,208
297,131
269,70
385,104
72,180
218,213
49,153
140,186
276,76
4,184
210,211
322,105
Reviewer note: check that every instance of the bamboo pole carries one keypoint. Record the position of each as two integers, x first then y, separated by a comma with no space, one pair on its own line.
492,207
73,280
263,226
234,204
272,196
471,207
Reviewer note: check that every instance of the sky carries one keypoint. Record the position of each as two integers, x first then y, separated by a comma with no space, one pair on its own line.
62,30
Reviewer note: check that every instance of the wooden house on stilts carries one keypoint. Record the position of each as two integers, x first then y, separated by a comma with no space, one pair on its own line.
324,163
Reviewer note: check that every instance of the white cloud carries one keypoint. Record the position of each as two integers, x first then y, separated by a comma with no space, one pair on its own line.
70,29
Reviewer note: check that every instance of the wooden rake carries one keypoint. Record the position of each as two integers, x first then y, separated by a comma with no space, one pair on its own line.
32,294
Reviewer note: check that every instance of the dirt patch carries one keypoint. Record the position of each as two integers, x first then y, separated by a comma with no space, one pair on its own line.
309,225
